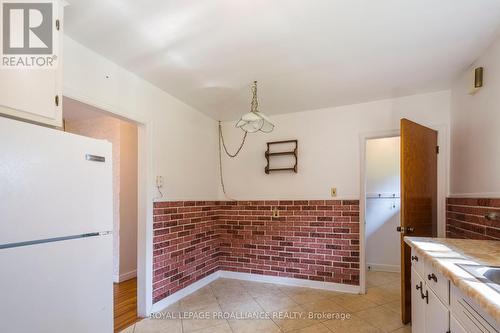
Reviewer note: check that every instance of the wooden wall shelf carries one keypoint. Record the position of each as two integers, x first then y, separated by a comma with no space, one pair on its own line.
270,154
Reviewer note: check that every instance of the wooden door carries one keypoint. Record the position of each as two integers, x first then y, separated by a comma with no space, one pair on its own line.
418,196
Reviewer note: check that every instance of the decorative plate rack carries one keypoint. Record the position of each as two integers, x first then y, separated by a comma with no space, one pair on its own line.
271,153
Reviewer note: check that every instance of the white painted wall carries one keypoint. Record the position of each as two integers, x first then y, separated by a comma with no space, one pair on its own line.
329,147
175,141
184,141
128,200
475,121
382,215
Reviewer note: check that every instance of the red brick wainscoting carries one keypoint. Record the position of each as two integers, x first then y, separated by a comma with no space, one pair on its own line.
465,218
314,240
185,245
310,239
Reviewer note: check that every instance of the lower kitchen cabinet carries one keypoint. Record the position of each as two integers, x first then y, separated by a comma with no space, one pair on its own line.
438,306
417,303
455,326
437,315
428,313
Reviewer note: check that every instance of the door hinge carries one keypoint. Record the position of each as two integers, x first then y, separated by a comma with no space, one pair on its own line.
58,25
437,149
56,100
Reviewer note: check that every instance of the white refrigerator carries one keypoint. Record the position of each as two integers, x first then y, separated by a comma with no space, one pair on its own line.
55,231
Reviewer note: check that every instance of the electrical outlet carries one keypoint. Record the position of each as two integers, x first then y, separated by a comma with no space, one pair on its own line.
333,192
276,212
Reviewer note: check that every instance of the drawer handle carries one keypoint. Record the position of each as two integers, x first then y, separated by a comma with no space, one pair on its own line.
432,277
426,296
414,258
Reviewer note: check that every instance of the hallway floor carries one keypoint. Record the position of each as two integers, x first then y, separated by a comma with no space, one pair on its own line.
125,304
288,307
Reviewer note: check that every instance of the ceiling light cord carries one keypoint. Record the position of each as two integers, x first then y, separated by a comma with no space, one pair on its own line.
222,144
221,138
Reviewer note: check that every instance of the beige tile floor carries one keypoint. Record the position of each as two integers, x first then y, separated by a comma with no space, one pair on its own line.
377,311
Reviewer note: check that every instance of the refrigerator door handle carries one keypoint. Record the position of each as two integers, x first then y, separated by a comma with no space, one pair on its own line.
52,240
95,158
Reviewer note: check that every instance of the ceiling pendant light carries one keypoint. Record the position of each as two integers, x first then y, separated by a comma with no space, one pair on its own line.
251,122
255,121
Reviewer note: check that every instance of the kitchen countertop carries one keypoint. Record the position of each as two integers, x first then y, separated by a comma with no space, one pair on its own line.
445,253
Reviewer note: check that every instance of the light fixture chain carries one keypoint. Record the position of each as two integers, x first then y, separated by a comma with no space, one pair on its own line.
255,101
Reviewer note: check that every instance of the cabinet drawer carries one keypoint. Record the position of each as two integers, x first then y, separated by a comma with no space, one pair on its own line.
437,282
470,315
417,262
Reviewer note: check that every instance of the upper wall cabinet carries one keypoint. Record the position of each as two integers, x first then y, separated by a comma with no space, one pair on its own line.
31,61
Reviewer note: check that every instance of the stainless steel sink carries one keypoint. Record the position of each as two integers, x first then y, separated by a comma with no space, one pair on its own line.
493,274
487,274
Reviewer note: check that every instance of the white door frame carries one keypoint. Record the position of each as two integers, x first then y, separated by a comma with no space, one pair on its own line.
443,190
145,198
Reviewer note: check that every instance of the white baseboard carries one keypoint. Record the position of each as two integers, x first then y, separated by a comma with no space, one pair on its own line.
177,296
345,288
128,275
383,268
124,276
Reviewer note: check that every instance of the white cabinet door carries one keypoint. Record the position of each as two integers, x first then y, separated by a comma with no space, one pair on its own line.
455,326
417,303
29,93
437,316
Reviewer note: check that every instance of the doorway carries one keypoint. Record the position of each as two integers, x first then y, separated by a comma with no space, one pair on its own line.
83,119
380,211
383,204
419,146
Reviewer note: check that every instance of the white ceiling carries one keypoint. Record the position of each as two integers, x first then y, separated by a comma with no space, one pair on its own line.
306,54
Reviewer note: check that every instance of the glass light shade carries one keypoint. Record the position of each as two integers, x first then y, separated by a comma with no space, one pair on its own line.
255,121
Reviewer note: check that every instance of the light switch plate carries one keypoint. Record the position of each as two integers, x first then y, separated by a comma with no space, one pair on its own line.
159,181
334,192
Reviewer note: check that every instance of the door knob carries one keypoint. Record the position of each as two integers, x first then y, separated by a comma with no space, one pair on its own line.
405,230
